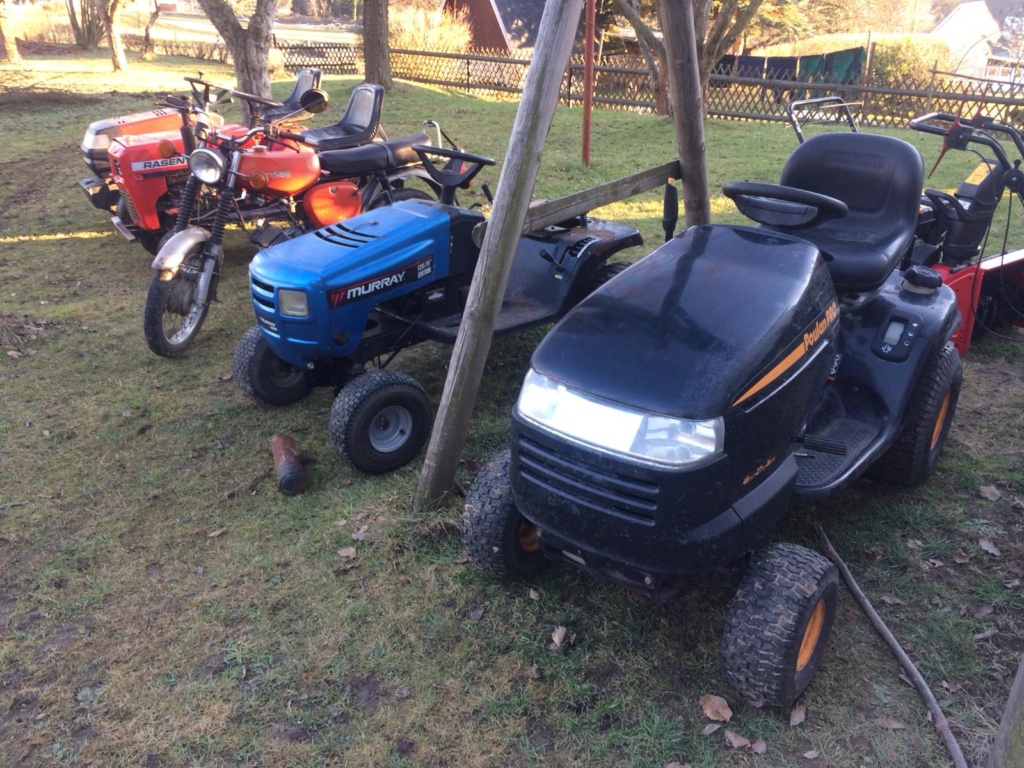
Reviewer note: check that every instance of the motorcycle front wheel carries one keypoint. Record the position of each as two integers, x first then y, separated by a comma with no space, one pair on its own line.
172,318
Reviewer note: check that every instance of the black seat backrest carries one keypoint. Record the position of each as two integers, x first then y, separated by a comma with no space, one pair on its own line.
306,80
358,125
880,179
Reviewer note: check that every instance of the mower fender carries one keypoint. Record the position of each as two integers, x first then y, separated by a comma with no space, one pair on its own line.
178,247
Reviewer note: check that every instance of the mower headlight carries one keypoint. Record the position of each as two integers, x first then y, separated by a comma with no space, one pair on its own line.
292,303
615,428
207,166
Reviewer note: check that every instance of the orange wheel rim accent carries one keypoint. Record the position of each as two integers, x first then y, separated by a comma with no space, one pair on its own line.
812,633
940,420
528,538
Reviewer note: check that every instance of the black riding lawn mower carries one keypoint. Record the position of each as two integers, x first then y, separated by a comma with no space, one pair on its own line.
666,421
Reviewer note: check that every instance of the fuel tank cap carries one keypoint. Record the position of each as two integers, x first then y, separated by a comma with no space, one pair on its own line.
921,279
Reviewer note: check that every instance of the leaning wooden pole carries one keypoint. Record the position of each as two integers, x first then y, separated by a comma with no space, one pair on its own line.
515,186
687,106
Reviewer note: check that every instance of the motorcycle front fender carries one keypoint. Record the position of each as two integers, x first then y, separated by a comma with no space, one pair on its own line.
177,247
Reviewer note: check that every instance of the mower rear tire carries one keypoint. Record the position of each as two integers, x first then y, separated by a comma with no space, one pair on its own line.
379,421
913,456
499,539
263,376
605,273
779,623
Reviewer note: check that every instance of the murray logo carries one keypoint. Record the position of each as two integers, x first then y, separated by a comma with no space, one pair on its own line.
161,164
406,274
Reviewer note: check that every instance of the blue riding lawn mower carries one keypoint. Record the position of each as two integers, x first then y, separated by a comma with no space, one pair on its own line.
666,421
331,302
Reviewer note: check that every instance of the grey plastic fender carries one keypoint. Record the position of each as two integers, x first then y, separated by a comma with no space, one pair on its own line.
178,247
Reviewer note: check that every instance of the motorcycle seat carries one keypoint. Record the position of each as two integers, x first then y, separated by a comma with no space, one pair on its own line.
880,179
375,157
358,124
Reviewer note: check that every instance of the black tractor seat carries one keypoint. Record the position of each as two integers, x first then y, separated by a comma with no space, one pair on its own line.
306,80
371,158
880,179
358,125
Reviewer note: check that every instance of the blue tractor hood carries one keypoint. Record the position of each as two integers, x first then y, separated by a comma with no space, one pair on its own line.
701,324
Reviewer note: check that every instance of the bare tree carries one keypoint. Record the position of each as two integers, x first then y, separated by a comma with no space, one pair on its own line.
8,44
376,50
86,22
249,46
110,11
148,49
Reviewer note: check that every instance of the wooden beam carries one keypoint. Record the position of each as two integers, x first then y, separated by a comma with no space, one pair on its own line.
548,212
515,187
687,106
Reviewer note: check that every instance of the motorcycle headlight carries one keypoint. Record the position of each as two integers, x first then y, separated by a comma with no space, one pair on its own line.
293,303
611,427
207,166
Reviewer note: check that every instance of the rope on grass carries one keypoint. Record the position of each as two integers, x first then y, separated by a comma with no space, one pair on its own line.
939,719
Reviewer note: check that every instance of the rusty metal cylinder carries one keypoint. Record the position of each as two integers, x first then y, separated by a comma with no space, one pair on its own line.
290,478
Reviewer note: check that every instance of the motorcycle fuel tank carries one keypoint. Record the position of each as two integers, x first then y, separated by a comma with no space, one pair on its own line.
278,172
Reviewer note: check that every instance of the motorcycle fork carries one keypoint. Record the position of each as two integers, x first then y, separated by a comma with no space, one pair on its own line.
213,249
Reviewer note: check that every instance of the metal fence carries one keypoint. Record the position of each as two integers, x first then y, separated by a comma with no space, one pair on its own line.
502,75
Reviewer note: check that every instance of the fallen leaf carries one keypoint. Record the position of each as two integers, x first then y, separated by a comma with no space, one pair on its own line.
985,610
888,722
990,492
797,714
1018,503
759,747
1012,584
812,754
225,377
949,686
358,516
477,613
934,562
989,546
715,708
347,553
710,728
464,559
674,764
215,534
199,570
534,594
986,634
734,740
13,354
961,558
890,600
914,543
340,522
557,638
875,552
360,534
401,692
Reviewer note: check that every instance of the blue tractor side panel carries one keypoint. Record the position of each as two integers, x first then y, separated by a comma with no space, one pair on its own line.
345,270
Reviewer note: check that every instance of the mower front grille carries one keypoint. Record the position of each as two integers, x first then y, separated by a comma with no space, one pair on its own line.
263,294
130,206
587,484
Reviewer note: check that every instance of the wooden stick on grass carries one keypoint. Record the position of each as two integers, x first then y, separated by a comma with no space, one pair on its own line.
941,723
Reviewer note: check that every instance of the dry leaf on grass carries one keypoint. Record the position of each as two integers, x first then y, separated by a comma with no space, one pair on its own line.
889,722
360,534
534,594
990,632
990,492
989,546
890,600
715,708
557,638
347,553
759,747
734,740
797,714
710,728
985,610
674,764
477,613
812,754
215,534
1012,584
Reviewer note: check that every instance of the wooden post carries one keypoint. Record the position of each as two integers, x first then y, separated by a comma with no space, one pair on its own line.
588,78
515,186
688,106
1008,748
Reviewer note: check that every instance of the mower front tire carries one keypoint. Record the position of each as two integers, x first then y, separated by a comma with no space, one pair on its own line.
779,623
379,421
499,539
261,375
913,456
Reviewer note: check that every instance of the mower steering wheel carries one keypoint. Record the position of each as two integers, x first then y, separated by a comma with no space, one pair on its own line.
779,206
453,173
259,101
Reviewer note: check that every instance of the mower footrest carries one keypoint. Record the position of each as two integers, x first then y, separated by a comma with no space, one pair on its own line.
825,456
516,314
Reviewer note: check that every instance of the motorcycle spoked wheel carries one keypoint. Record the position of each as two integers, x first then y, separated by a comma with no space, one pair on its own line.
172,318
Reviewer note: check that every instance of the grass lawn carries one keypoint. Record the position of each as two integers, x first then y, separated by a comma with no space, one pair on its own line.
161,604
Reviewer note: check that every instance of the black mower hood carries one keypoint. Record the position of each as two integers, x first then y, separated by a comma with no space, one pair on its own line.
689,329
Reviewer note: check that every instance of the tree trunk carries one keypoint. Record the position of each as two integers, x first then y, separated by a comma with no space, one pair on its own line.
112,26
376,51
148,49
249,47
9,53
